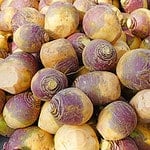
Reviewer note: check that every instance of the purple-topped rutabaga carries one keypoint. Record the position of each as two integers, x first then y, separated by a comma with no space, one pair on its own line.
30,37
99,55
21,110
71,106
27,15
17,71
101,87
30,138
47,82
116,121
133,69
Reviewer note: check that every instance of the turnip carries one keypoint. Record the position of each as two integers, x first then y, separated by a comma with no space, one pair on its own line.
116,121
30,138
19,69
145,43
141,136
19,4
83,5
133,69
30,37
6,16
125,144
58,27
2,100
71,137
140,102
59,54
47,82
5,130
71,106
99,55
21,110
131,5
79,41
139,22
101,22
47,121
101,87
27,15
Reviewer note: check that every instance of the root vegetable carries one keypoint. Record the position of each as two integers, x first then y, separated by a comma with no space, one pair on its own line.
116,121
145,43
70,137
27,15
141,103
47,82
30,138
59,54
71,106
101,87
6,16
133,69
99,55
125,144
83,5
47,121
5,130
79,41
139,22
58,27
101,22
131,5
141,136
19,4
19,69
21,110
30,37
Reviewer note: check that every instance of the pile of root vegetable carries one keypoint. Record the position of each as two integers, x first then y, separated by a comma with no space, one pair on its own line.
75,74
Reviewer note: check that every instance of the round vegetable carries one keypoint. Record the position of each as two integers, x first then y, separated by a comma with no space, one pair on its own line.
131,5
116,121
47,82
70,137
47,121
19,69
101,87
30,138
27,15
71,106
19,4
59,54
101,22
21,110
5,130
139,22
133,69
30,37
141,104
99,55
124,144
61,20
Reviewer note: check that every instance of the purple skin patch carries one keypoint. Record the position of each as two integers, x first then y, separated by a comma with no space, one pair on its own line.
23,107
124,118
67,107
99,55
68,65
40,86
136,70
